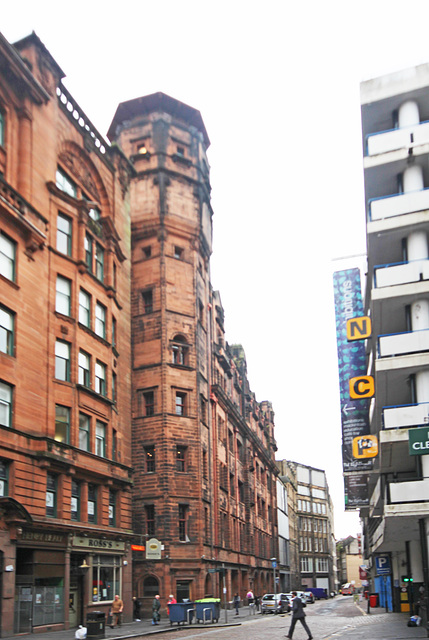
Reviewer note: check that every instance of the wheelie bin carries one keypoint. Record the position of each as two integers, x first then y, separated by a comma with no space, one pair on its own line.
181,612
373,599
207,609
96,625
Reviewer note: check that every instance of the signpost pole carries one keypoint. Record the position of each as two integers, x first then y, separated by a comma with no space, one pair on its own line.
224,592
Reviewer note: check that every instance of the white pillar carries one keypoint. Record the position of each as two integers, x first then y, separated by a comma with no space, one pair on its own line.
408,114
413,179
417,246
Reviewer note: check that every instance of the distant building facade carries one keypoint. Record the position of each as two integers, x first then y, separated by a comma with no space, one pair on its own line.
315,527
288,533
350,561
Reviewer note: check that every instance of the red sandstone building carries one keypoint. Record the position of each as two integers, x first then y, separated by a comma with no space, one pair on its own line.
65,428
203,448
126,419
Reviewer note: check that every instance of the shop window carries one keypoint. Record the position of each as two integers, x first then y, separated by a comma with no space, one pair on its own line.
150,519
5,405
75,501
4,479
180,404
62,360
7,329
100,320
63,296
64,234
100,439
62,423
92,504
66,184
7,257
181,458
112,508
100,378
84,308
150,459
106,577
84,365
51,495
183,523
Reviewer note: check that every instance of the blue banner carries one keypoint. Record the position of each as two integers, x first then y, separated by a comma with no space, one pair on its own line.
351,364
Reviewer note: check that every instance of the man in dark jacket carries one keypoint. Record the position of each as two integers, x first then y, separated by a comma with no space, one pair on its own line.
298,614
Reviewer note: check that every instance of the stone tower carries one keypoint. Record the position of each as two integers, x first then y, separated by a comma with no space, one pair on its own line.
171,236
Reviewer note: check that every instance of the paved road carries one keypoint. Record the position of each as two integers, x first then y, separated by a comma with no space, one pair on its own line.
335,619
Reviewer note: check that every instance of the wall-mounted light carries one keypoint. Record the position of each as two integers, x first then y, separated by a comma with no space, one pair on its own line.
84,565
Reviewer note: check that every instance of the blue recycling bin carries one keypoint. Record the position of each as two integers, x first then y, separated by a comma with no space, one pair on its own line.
181,612
207,609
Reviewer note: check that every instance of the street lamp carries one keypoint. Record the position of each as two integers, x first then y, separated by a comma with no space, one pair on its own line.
274,565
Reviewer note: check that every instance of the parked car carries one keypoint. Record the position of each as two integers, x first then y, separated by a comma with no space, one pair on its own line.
310,597
301,595
278,603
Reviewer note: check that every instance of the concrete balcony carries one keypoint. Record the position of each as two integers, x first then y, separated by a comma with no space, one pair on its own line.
403,343
399,204
409,415
401,273
386,141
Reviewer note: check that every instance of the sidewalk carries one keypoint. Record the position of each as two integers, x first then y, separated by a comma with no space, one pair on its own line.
142,628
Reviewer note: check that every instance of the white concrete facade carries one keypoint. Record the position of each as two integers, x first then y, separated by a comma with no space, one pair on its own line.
395,136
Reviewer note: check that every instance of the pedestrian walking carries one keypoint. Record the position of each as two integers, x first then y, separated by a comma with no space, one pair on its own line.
116,612
156,606
298,614
136,609
236,603
251,601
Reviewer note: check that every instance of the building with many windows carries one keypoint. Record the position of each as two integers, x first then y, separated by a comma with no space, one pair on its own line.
314,533
65,422
134,457
203,447
395,136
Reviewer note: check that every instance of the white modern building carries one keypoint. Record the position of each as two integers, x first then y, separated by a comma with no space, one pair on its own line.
395,131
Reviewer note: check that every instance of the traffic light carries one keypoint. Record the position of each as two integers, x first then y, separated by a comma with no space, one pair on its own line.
407,579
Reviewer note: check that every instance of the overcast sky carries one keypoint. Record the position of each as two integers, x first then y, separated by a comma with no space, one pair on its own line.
277,84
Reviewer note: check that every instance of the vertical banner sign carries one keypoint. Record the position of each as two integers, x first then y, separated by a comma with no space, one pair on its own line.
351,364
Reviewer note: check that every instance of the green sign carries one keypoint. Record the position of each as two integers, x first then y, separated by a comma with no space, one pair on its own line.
418,441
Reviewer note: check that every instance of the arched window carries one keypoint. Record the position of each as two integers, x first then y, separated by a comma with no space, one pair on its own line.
150,587
180,350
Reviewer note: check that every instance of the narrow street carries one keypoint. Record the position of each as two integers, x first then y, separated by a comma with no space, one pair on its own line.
338,619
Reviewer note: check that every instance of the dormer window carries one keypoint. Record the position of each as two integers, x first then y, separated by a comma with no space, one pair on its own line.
180,151
142,150
178,253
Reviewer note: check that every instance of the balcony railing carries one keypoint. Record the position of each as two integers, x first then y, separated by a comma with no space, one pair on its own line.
393,139
397,344
398,204
388,275
406,415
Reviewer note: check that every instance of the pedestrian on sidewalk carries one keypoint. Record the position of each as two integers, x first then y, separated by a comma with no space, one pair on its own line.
136,609
298,614
116,612
156,606
236,603
171,600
